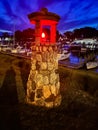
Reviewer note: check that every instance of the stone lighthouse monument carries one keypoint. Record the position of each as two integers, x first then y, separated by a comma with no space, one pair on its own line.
43,86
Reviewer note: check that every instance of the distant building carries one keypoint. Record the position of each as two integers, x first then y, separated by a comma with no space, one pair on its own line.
86,41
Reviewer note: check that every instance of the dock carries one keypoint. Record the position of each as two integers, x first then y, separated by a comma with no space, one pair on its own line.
71,65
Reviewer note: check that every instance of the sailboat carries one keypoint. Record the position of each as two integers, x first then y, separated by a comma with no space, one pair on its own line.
64,55
92,64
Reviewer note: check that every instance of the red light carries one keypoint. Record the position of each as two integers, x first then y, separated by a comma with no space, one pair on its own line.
43,35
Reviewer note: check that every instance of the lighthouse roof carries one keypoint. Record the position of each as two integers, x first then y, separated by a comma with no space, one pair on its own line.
43,14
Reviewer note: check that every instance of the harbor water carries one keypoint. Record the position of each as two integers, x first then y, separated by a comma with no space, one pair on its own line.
74,60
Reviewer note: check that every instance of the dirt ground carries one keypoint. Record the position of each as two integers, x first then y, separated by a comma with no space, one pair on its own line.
78,110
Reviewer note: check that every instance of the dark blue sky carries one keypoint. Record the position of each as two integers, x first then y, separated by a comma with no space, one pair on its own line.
74,13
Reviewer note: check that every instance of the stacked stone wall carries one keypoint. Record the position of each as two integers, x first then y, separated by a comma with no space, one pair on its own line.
43,86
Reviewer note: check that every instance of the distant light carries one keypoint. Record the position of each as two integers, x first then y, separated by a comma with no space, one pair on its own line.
43,35
6,39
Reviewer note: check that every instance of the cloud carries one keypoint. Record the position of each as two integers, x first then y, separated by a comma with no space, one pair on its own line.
73,13
77,24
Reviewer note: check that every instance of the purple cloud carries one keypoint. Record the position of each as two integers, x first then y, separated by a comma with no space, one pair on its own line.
74,14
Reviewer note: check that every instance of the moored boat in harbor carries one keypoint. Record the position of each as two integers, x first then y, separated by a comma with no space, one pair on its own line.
91,64
64,55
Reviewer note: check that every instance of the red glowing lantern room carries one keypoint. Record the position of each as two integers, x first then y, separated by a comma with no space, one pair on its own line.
41,19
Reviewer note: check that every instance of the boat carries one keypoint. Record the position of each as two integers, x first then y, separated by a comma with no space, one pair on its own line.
64,55
29,52
5,48
91,64
18,50
14,51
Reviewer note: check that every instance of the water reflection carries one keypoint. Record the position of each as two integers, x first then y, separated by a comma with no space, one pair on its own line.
76,59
